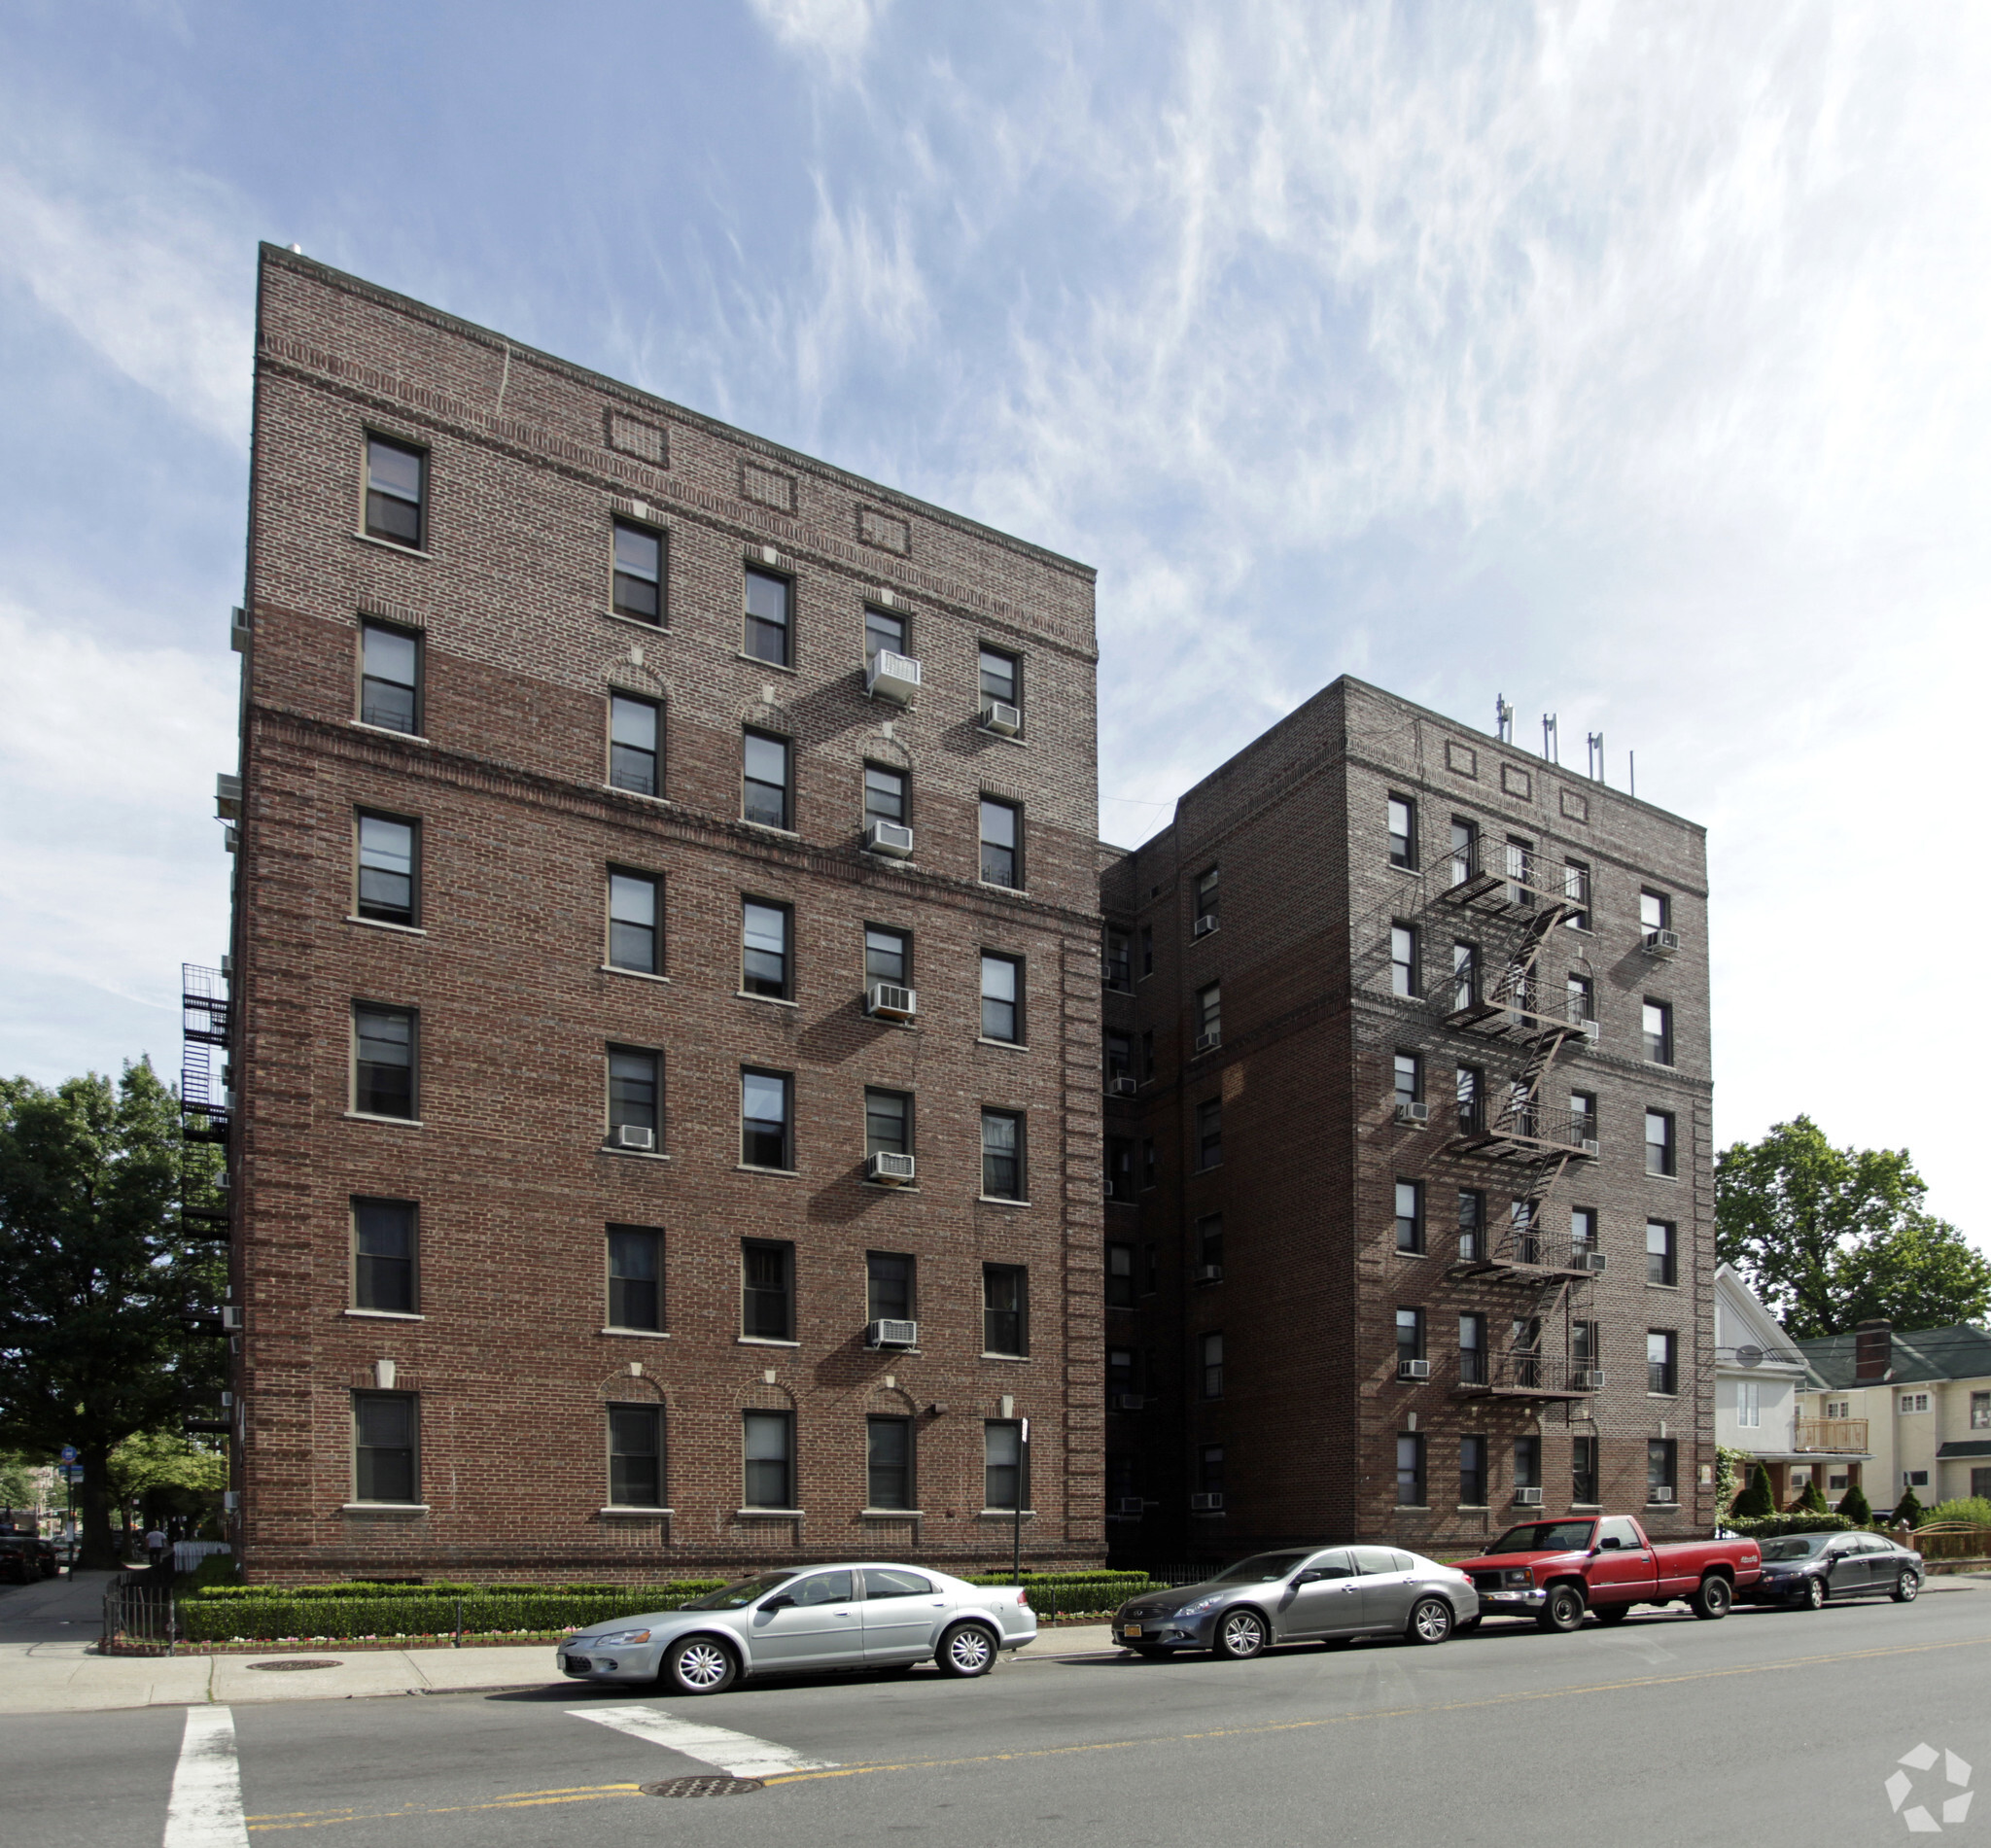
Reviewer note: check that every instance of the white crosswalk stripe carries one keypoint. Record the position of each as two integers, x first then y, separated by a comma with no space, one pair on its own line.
205,1810
738,1754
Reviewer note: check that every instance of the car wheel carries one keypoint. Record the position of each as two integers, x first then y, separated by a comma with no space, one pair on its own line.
1564,1611
1906,1587
1711,1602
966,1651
699,1666
1241,1635
1812,1596
1430,1621
1610,1612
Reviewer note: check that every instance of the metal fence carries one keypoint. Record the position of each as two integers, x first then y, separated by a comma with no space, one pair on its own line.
139,1617
188,1554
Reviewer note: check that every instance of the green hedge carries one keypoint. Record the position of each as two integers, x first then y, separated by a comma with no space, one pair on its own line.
276,1613
1771,1526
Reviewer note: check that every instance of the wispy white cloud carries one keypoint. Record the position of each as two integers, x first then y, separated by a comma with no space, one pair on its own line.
834,30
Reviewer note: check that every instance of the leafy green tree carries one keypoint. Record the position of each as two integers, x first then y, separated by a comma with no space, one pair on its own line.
1854,1505
1755,1501
99,1275
169,1474
1812,1501
1908,1510
1974,1509
1830,1237
18,1484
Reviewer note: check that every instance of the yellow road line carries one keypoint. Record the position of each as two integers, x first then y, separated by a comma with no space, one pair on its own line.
532,1800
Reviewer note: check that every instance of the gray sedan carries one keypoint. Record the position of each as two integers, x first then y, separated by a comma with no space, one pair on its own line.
808,1621
1327,1595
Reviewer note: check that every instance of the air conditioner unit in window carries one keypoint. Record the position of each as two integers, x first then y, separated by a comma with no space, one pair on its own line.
1414,1369
1588,1145
1661,943
228,797
889,1002
1209,1273
1414,1114
1204,925
892,676
1211,1503
1130,1402
890,839
891,1170
239,629
1592,1030
1121,1086
1002,718
232,1316
1208,1042
891,1334
1599,1261
1658,1493
1527,1497
1130,1504
231,1501
1590,1378
633,1135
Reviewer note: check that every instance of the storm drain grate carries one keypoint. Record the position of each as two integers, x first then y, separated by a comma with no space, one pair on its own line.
298,1661
702,1787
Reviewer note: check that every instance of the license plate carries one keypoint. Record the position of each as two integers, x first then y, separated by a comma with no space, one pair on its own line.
1129,1629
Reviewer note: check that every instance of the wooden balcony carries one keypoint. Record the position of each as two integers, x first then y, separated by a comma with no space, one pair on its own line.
1837,1435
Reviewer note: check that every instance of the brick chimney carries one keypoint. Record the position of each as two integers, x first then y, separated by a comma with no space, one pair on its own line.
1872,1353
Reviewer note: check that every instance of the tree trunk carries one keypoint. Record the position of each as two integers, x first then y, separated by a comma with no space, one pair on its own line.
93,1511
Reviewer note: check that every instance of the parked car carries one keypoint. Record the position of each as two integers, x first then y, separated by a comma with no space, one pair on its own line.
810,1620
25,1559
1806,1569
1302,1594
1555,1571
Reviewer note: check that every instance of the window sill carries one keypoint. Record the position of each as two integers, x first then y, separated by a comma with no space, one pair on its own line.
991,1199
1650,1394
1413,1508
1007,1045
773,667
389,731
1576,1505
381,923
750,1167
989,1354
1008,891
762,1341
399,1123
890,1187
637,1334
767,1513
641,796
1652,1286
635,1155
636,622
383,1315
1402,1253
391,546
762,827
639,975
626,1511
1005,1513
1000,737
383,1508
1475,1507
1671,1179
771,1000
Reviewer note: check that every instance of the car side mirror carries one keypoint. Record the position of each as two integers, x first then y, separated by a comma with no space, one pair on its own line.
781,1601
1610,1542
1311,1575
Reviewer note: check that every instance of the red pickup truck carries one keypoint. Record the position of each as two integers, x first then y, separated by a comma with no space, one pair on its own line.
1553,1571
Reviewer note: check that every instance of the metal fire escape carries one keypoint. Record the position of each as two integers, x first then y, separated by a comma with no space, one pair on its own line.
205,1100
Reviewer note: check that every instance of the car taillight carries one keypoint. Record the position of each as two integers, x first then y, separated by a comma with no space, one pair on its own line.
1023,1598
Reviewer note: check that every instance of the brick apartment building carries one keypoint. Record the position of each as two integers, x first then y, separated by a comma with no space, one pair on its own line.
663,1020
1409,1222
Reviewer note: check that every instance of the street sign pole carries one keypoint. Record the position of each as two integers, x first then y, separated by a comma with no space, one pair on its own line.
69,1502
1023,1451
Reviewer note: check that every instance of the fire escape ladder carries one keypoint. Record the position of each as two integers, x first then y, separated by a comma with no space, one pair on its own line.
205,1100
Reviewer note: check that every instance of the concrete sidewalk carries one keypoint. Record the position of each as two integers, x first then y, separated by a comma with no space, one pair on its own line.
70,1677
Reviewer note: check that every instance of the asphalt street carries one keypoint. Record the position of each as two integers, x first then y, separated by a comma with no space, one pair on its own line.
1769,1727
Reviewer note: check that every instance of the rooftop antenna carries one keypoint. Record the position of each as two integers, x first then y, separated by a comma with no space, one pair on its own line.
1594,741
1503,719
1634,773
1552,739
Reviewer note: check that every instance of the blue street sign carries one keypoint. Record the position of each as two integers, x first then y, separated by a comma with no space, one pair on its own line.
69,1453
70,1472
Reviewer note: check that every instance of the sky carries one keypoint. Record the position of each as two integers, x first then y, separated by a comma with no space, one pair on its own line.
1630,363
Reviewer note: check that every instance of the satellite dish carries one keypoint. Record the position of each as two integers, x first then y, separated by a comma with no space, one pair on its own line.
1749,1357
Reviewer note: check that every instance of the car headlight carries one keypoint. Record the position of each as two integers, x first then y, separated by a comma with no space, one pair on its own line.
1198,1606
1517,1578
618,1639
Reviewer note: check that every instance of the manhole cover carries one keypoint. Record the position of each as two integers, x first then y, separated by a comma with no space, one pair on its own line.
702,1787
299,1661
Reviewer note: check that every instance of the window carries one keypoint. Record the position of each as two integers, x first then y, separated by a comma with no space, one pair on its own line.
1001,998
1403,832
764,948
1470,1089
1148,949
1002,1155
383,1060
1403,960
1209,1016
1001,840
1586,1344
1210,1132
633,1095
1119,1276
767,1290
885,794
1528,1462
1465,850
1915,1479
387,869
1472,1225
1410,1336
1580,998
1000,681
1661,1347
1661,1480
765,780
397,477
1121,1375
1147,1054
385,1465
390,679
635,749
765,1115
1120,1167
1520,872
638,589
767,617
1655,910
887,956
1409,1215
1838,1408
1582,1472
1576,893
1119,1057
1914,1402
636,1272
384,1255
1583,1230
1005,1307
1211,1360
1409,1079
636,1456
1465,975
1582,1116
1660,1158
1749,1404
1208,898
1980,1411
1209,1246
1409,1469
1662,1259
1210,1471
888,1287
1472,1350
1150,1168
1658,1033
1119,969
770,1456
887,1123
884,629
888,1463
1472,1472
1523,1242
634,940
1002,1483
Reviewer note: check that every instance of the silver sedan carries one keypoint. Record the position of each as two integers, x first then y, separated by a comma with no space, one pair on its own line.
813,1619
1327,1595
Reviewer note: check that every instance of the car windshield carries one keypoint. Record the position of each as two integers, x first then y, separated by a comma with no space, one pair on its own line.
736,1598
1545,1536
1262,1568
1794,1546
